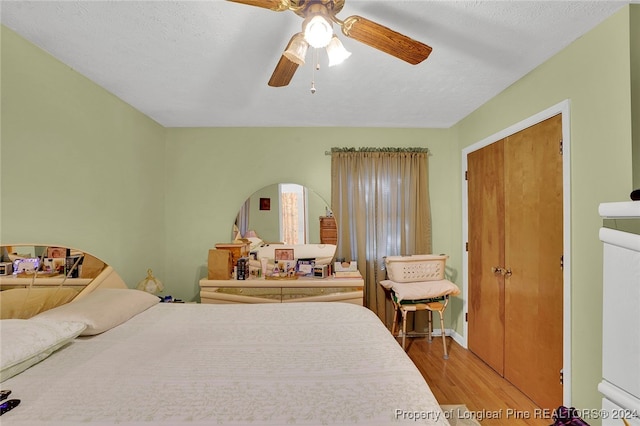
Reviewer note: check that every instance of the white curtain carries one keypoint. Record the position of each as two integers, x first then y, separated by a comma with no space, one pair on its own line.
290,217
380,198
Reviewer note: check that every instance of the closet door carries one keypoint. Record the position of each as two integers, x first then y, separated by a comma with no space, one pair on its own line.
515,259
485,175
533,254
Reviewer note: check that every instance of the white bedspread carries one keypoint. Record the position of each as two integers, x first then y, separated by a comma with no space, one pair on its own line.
271,364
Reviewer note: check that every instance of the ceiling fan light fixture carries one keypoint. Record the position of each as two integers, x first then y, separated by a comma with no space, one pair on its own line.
297,49
317,31
336,51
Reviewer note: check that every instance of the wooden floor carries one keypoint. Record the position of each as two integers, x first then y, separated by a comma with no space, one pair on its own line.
465,379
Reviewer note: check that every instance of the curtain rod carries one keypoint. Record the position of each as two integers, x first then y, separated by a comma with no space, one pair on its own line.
386,149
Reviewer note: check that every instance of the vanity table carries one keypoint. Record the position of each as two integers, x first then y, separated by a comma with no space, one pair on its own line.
261,290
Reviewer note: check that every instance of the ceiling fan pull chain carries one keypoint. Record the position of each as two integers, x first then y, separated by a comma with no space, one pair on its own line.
313,71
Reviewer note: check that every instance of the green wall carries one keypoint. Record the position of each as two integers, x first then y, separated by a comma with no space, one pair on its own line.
80,167
593,73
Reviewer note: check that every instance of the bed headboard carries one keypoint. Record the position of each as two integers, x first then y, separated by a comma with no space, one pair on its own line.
37,277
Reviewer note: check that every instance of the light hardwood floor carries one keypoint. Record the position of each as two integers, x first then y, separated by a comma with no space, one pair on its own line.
466,379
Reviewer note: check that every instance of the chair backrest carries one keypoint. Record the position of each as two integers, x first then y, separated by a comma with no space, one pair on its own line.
417,267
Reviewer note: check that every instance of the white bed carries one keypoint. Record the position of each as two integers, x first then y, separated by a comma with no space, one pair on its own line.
264,364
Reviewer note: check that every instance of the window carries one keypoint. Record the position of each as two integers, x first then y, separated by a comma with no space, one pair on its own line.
293,214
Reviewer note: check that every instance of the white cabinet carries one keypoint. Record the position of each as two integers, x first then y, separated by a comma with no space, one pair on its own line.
620,383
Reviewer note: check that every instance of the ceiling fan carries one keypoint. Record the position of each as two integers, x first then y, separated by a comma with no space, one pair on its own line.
317,32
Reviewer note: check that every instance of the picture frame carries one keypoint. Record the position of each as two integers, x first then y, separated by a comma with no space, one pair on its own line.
57,252
26,265
265,203
283,254
304,266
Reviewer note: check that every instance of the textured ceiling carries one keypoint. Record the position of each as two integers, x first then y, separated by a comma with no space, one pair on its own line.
206,64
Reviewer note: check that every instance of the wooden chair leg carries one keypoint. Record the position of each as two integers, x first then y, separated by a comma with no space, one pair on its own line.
404,327
429,325
395,321
444,339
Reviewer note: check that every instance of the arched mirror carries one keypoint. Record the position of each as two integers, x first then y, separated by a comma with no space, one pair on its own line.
288,214
35,278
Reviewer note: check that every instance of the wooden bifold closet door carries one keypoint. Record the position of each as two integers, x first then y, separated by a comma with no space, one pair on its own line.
515,259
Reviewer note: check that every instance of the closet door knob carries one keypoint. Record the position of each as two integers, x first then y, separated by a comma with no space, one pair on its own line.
497,270
507,272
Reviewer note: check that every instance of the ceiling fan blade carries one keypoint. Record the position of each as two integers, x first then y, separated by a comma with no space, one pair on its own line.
283,73
385,39
275,5
285,69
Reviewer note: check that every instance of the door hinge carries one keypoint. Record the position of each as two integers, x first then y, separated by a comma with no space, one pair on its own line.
561,147
466,246
562,262
466,317
466,175
561,377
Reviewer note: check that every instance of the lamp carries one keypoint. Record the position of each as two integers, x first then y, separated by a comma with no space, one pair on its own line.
317,30
150,284
336,51
297,49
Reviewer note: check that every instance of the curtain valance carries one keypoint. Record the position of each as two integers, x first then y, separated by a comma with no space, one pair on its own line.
377,149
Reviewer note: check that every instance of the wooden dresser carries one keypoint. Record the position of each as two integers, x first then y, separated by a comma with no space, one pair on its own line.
328,230
260,290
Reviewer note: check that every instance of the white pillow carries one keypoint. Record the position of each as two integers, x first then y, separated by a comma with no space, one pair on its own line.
102,309
27,342
255,243
421,289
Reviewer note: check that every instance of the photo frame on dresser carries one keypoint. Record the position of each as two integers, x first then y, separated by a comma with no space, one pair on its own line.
57,252
304,266
283,254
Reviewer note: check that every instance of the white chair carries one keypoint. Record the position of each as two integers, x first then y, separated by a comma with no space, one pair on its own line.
417,283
